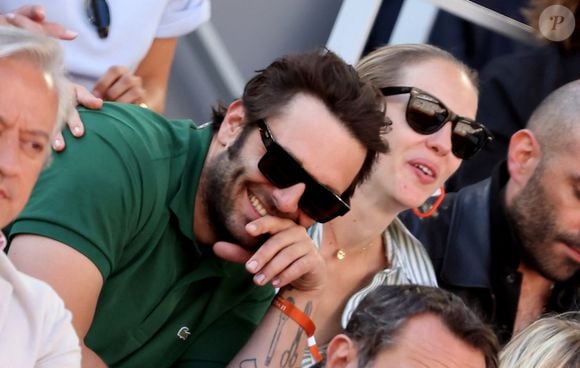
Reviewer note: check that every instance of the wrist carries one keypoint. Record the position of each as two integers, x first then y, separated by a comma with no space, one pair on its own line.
301,296
302,318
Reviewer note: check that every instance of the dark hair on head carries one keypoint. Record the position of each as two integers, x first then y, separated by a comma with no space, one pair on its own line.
325,76
381,315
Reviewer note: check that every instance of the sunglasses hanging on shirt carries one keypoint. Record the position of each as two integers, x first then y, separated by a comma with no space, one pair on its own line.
426,114
99,16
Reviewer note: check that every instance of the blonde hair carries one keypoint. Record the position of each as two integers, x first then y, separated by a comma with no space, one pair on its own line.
384,66
550,342
46,54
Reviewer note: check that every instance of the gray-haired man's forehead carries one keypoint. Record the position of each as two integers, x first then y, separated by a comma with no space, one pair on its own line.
32,132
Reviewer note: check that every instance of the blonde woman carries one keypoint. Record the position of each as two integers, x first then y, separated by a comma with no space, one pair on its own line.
431,99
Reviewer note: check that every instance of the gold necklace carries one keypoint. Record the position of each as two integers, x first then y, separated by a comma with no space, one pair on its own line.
341,253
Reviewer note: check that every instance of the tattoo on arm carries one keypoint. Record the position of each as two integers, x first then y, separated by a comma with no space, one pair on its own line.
292,354
249,363
272,349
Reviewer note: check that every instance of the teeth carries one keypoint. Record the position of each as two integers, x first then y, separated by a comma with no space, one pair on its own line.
257,205
424,169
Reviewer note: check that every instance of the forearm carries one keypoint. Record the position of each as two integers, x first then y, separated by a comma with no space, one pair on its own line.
155,97
90,359
278,341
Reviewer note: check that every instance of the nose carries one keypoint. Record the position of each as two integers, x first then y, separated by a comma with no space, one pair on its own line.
9,155
440,141
286,199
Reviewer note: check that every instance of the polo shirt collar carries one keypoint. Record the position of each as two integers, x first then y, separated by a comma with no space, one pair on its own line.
183,202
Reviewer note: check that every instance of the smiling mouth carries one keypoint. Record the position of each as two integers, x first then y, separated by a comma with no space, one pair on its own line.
425,170
575,250
257,205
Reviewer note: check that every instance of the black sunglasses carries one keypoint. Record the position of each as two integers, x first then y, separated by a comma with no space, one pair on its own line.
283,171
99,16
426,114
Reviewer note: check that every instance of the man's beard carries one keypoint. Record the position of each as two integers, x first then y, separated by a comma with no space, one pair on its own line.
217,191
219,194
534,217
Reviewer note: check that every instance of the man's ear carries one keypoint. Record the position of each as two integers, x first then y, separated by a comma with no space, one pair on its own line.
341,353
232,124
524,155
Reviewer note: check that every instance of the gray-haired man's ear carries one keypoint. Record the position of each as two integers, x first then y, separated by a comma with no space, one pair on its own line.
341,353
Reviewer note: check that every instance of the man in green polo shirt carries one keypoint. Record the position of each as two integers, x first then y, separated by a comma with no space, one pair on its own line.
127,222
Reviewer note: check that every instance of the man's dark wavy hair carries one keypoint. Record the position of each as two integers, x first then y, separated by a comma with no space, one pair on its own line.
325,76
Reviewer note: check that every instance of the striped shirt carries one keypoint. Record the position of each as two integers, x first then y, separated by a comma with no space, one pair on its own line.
409,264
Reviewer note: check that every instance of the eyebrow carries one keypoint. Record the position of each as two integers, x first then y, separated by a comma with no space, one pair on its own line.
34,132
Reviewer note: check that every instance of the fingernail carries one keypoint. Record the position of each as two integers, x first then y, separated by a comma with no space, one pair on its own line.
251,227
276,282
10,15
252,265
57,143
76,130
69,33
259,279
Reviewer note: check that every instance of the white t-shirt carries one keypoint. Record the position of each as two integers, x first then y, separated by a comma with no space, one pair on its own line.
35,328
134,25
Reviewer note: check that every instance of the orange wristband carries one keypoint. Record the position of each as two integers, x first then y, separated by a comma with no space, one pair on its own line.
302,320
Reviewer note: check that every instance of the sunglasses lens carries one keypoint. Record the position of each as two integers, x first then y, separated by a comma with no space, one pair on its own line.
283,171
467,139
278,167
321,204
425,116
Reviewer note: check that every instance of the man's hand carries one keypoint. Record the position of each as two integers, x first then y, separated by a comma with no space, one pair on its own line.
84,98
32,18
288,257
289,260
120,85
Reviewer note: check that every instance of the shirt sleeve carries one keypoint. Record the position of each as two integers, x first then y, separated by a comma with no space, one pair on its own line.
88,196
61,347
182,16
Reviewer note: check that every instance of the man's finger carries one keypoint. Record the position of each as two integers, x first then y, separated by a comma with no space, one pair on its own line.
57,30
48,28
86,98
107,80
231,252
58,142
75,124
34,12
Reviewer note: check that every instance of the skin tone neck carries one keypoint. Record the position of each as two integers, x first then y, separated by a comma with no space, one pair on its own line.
523,157
369,207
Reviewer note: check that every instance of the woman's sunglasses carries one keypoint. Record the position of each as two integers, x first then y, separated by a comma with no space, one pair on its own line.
426,115
283,171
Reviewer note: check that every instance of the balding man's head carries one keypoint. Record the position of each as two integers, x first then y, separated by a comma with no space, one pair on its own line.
543,192
556,121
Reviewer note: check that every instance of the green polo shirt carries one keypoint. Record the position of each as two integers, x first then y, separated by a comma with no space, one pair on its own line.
124,196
